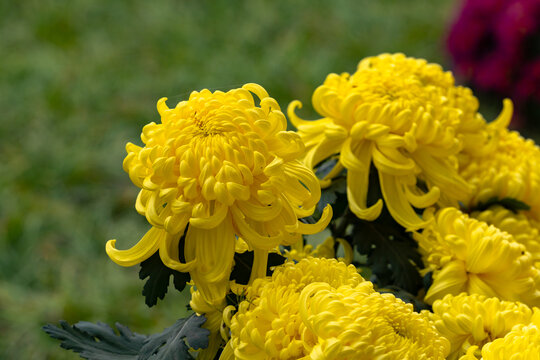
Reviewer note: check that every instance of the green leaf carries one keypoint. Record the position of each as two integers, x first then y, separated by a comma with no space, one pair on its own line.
325,167
406,297
100,342
336,196
97,341
508,203
173,343
243,262
391,254
159,276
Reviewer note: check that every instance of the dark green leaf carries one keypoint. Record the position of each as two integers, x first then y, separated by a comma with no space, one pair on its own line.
391,253
336,196
173,343
101,342
159,276
97,341
243,263
508,203
325,167
406,297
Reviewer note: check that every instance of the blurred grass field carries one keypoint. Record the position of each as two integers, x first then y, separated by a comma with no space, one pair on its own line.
79,79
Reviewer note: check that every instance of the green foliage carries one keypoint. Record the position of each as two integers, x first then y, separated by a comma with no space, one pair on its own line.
100,342
158,279
243,263
392,254
508,203
336,193
97,341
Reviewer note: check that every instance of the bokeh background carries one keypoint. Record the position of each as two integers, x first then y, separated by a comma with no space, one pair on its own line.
80,78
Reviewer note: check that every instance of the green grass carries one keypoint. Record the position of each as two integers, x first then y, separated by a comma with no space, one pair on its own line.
79,79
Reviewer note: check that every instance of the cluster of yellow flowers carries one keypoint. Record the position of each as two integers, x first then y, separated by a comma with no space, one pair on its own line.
323,309
222,171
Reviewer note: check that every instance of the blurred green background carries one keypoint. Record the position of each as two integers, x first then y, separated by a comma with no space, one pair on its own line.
79,79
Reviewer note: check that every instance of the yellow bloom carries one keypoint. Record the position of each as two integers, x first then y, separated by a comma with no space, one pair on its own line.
404,116
322,309
467,255
511,169
522,343
475,320
524,230
218,167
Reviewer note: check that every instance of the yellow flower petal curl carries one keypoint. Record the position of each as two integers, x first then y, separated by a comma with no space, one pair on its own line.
405,117
145,248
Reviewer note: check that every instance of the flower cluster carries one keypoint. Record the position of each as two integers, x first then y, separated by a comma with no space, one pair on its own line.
322,309
444,216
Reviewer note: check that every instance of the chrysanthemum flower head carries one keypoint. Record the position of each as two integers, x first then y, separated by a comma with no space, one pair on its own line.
510,170
468,255
218,167
407,118
522,343
322,309
524,230
475,320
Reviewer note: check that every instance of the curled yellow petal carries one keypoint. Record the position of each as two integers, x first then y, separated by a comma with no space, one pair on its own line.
503,120
169,254
319,226
398,204
351,160
213,251
212,221
145,248
422,200
357,189
392,161
348,251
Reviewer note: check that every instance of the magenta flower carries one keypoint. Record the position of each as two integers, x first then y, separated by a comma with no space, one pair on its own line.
495,45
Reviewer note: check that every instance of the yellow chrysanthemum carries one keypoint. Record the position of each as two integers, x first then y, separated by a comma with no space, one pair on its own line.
475,320
522,343
524,230
511,170
219,167
322,309
467,255
407,118
326,249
